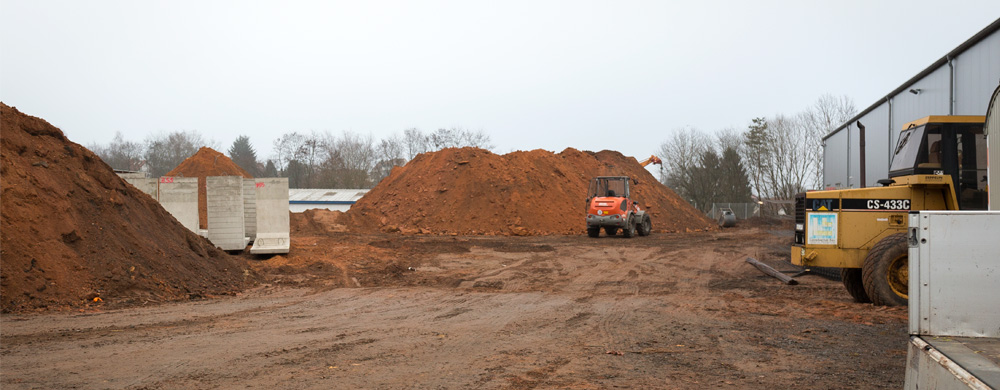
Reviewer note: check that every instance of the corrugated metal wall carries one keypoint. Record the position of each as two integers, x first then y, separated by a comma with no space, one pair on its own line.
932,99
834,174
977,72
969,79
876,145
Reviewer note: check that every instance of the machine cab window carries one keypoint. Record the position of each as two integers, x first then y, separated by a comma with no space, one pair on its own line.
608,186
957,150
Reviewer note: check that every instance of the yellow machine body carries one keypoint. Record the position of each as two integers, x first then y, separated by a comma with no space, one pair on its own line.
937,165
840,226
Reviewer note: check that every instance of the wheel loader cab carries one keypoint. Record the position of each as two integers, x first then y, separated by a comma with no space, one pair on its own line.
952,146
608,186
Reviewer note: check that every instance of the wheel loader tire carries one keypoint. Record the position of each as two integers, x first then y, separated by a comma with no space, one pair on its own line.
646,226
629,230
594,232
852,282
885,273
611,230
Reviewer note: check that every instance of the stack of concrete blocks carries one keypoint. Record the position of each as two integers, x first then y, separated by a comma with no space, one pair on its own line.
179,196
272,217
250,208
143,183
226,228
240,210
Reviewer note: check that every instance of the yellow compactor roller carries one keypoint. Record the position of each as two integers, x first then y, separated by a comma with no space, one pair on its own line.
939,163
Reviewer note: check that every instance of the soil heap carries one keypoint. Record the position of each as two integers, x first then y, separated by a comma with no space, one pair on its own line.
473,191
207,162
73,231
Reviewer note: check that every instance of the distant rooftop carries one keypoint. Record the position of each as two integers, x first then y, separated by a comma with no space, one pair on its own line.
325,195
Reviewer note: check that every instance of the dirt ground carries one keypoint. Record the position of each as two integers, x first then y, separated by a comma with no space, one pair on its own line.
409,311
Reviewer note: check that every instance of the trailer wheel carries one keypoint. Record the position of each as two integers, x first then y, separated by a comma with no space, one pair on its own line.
646,226
594,232
852,282
885,272
629,230
611,230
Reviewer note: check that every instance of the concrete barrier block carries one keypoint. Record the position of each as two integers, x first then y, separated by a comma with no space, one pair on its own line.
143,183
148,185
272,217
179,196
224,195
250,207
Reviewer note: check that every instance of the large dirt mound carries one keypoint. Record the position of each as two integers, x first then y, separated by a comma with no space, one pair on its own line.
473,191
207,162
72,231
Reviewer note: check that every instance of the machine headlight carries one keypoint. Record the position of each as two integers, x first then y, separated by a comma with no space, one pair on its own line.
799,227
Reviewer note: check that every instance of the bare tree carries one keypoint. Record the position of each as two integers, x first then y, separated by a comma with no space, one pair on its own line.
457,137
389,154
475,139
728,138
820,119
348,160
121,154
298,156
166,152
414,142
777,153
681,155
790,167
286,149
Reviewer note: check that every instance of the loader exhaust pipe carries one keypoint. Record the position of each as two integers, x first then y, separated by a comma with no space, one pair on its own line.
861,136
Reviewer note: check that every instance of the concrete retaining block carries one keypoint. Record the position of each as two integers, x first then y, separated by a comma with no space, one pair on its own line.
272,217
224,195
250,208
179,196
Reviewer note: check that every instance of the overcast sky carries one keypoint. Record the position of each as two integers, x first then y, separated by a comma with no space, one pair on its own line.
591,75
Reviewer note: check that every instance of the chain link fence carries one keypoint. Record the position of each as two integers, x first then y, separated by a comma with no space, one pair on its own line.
742,210
768,208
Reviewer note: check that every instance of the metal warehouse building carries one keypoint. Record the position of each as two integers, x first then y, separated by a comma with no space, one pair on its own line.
302,199
960,83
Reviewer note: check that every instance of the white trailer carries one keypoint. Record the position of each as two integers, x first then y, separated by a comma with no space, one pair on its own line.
954,300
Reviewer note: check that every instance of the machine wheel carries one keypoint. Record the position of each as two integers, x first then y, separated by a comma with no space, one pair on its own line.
629,230
645,226
852,282
594,232
611,230
886,271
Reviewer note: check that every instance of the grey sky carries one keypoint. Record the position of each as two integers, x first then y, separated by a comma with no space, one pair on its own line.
586,74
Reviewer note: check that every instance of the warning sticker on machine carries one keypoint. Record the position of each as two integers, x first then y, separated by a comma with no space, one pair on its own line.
822,229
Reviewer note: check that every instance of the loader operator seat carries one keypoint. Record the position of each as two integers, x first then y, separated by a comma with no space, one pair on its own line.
611,192
934,156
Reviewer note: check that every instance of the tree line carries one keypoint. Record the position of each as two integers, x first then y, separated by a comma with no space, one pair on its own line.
772,158
308,160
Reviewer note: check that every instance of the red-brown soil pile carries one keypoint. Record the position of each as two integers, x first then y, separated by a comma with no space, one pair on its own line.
71,231
207,162
473,191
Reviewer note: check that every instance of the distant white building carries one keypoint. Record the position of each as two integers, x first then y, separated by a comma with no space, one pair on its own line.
302,199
